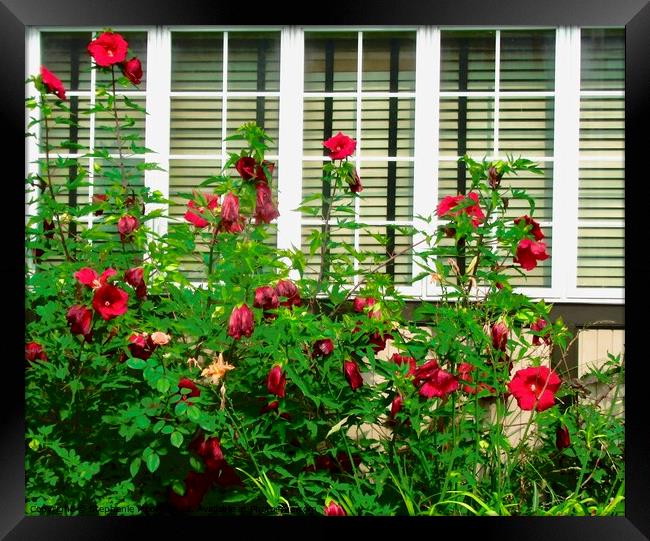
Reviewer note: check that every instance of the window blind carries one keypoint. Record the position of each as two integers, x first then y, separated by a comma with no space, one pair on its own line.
602,171
362,84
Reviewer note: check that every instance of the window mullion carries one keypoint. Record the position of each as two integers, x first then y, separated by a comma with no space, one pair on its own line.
158,118
426,143
566,166
292,62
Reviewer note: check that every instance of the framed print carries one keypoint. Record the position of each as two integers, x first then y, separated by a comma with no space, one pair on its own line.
367,259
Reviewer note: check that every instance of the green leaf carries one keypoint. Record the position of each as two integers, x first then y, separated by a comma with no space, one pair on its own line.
176,439
180,408
163,385
194,414
134,468
137,364
153,461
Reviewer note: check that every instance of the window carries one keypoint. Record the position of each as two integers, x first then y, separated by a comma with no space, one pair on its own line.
415,99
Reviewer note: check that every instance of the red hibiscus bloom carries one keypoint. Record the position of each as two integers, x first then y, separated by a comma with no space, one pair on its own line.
500,333
187,383
535,387
108,49
141,345
210,451
230,208
196,487
425,371
532,226
440,383
464,374
379,340
264,172
355,183
52,83
265,210
246,167
396,405
352,374
276,381
80,320
539,326
333,509
110,301
126,226
266,298
97,200
33,351
448,204
361,302
400,360
241,322
340,146
196,211
132,70
323,348
287,289
529,253
89,277
562,438
135,278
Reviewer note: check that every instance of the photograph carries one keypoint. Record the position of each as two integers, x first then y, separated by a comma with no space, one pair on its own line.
346,268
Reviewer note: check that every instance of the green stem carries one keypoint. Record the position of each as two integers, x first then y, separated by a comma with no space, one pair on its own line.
125,182
49,182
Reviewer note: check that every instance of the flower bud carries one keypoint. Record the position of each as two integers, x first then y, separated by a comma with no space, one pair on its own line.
352,374
276,381
241,322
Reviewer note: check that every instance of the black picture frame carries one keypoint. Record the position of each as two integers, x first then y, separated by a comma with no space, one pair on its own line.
16,15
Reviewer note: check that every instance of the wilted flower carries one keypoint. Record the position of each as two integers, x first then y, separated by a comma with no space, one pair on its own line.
217,370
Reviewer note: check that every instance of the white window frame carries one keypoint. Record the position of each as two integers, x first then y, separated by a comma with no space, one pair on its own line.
426,154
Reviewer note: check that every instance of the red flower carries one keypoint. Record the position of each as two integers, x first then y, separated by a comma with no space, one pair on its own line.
265,210
135,278
539,326
440,383
276,381
195,212
80,320
52,83
266,298
241,322
126,226
562,438
355,183
464,374
529,253
108,49
89,277
97,200
271,406
448,204
34,351
500,333
287,289
187,383
352,374
399,359
534,387
211,453
110,301
333,509
379,341
534,230
132,70
396,405
141,346
340,146
228,477
230,208
196,487
246,167
261,174
361,302
425,371
323,348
